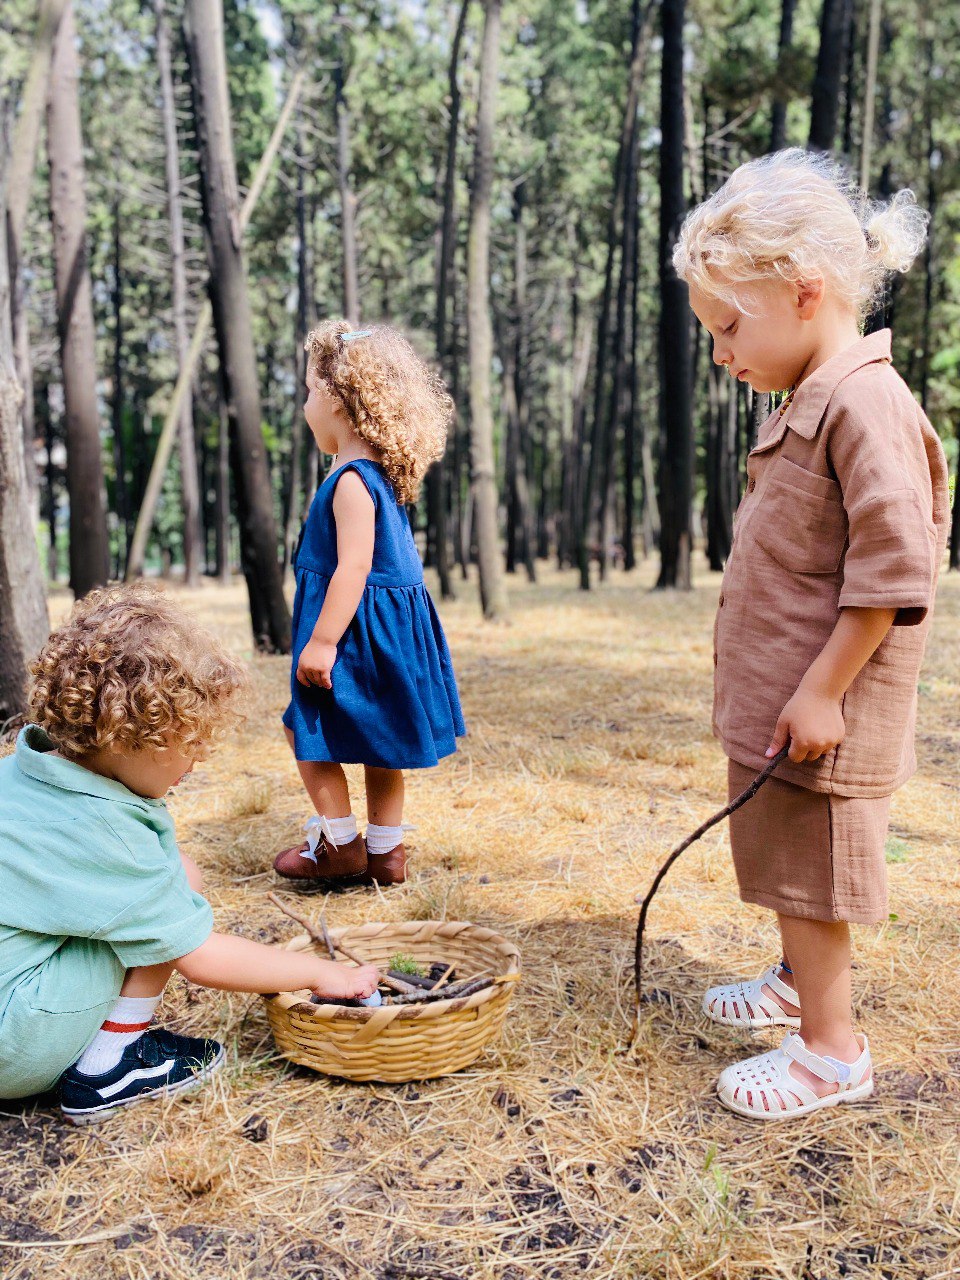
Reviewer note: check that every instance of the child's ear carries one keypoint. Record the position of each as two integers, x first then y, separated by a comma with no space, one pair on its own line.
809,296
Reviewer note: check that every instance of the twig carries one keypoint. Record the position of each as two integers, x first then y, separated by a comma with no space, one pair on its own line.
326,937
301,920
443,978
725,812
325,940
457,991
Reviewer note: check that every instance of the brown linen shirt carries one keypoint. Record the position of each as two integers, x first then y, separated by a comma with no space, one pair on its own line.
846,505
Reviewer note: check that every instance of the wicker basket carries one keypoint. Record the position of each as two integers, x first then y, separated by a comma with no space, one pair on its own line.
396,1043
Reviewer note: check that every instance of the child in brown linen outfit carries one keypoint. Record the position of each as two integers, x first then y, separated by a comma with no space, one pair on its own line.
826,599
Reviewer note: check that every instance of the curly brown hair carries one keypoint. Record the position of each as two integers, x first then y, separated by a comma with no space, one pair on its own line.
395,402
131,669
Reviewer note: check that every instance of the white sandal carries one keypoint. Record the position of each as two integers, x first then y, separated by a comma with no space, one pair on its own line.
762,1088
746,1004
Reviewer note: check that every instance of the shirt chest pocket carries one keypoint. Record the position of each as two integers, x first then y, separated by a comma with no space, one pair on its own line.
800,520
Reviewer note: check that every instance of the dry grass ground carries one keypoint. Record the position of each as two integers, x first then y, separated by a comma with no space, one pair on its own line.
589,756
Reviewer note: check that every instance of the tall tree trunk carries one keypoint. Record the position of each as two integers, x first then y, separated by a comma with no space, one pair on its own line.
192,543
640,41
23,160
929,259
302,322
778,115
269,614
519,522
89,544
348,199
121,503
222,487
617,404
849,77
676,462
23,606
633,429
437,477
869,94
721,468
825,97
479,331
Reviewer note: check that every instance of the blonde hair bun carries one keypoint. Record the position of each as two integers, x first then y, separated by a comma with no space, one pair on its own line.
898,230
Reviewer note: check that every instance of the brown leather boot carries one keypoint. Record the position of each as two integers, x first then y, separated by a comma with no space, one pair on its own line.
387,868
346,862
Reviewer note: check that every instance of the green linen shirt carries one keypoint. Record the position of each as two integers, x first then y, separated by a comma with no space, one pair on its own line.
93,885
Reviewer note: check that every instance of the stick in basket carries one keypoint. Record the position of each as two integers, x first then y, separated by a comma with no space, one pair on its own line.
725,812
457,991
325,940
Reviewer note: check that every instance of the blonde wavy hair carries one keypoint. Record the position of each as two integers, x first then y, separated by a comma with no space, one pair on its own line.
131,669
395,402
797,215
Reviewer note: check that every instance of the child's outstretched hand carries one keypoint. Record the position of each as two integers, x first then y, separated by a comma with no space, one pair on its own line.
346,982
813,725
315,665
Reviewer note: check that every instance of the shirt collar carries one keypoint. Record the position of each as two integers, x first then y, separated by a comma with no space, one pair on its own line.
811,398
34,757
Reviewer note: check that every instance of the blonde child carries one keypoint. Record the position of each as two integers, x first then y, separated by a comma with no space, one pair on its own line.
826,599
372,681
99,905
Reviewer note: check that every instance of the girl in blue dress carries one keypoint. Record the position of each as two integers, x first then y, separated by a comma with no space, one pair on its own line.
372,682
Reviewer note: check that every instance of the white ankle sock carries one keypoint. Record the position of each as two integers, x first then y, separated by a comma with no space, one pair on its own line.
383,839
343,830
128,1020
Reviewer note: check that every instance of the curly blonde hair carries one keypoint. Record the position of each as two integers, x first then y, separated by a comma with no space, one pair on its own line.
797,215
131,669
394,401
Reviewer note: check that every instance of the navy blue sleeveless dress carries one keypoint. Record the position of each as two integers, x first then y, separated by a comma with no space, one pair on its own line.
394,701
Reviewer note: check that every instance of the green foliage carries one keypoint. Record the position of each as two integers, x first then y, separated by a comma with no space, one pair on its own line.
561,94
403,963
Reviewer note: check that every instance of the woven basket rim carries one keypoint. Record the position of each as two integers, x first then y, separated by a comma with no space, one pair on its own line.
301,1002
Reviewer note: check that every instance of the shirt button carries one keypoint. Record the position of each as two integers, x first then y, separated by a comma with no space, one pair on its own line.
751,486
721,599
715,659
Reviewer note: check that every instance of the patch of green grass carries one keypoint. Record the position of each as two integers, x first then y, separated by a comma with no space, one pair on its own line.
896,850
402,963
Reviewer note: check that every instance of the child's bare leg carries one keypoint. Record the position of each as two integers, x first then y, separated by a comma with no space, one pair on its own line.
326,785
819,952
385,792
148,980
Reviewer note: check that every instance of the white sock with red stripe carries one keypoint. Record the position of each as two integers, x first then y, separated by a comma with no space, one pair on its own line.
128,1020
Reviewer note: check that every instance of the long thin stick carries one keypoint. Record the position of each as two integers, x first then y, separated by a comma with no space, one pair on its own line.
725,812
456,991
317,936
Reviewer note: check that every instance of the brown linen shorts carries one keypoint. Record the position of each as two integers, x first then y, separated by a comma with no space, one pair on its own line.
808,854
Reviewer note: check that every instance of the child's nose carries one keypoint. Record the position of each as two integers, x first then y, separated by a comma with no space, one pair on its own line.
720,354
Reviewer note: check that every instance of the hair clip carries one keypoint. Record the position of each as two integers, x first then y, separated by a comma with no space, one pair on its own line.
357,333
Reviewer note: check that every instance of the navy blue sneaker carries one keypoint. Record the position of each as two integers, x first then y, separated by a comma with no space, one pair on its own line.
157,1065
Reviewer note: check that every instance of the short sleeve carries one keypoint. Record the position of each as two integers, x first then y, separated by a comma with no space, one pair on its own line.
891,554
168,921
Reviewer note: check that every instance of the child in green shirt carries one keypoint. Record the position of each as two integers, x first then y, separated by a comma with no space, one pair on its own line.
99,905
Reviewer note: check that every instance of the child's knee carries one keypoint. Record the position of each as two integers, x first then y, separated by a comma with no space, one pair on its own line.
194,874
